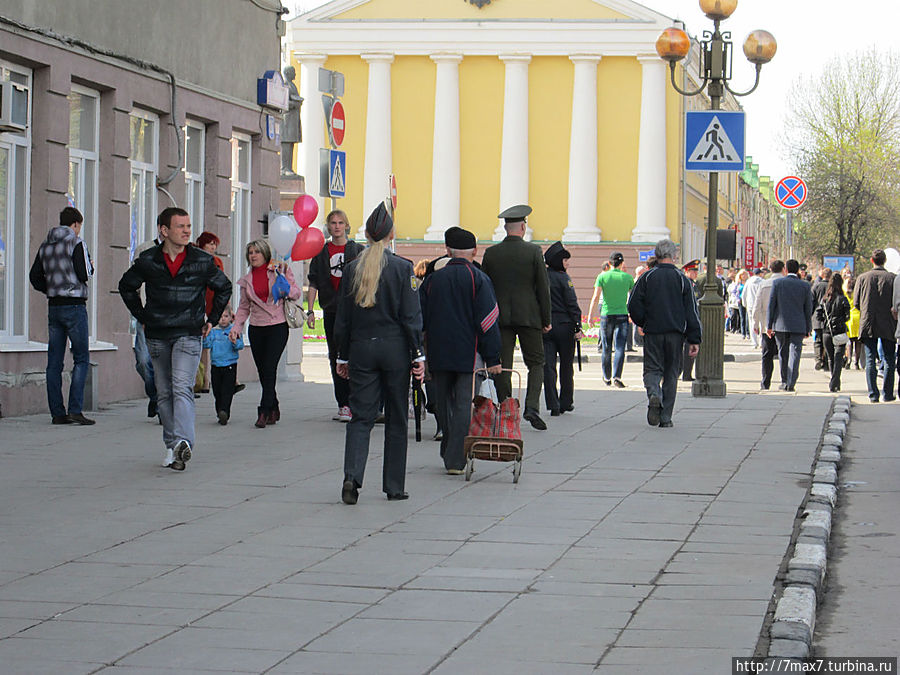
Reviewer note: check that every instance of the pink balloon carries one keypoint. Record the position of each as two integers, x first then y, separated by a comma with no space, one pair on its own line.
308,243
305,210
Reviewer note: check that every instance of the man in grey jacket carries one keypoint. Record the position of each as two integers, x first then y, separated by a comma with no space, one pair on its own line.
790,320
873,295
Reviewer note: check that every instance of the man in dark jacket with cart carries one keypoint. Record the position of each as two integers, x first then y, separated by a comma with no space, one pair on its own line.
461,313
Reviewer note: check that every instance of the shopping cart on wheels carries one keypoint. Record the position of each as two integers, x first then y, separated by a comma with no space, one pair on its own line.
498,436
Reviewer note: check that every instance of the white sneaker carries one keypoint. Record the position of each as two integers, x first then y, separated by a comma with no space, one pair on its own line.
344,414
337,416
170,457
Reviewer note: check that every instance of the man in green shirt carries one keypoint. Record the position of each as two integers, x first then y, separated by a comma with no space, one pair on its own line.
614,285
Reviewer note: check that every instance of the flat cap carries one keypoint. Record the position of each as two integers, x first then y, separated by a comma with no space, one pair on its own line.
692,265
379,224
517,213
459,239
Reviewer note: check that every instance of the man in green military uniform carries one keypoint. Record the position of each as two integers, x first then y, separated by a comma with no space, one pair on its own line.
516,269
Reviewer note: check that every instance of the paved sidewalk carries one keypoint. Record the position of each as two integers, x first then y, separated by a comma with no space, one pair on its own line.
623,549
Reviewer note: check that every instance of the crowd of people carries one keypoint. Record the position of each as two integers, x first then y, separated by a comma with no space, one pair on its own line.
387,323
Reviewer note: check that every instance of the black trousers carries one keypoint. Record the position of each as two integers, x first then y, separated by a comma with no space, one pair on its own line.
769,352
835,356
687,361
378,367
559,342
453,400
341,386
223,379
819,349
532,345
267,344
662,366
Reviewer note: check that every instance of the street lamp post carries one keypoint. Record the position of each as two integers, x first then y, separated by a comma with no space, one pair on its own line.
716,50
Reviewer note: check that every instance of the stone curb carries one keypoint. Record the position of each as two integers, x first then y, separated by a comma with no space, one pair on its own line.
794,624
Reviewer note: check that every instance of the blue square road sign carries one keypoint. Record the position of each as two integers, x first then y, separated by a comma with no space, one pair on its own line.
337,173
714,140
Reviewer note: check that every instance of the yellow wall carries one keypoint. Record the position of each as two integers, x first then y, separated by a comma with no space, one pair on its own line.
619,113
481,82
550,85
498,9
674,143
412,136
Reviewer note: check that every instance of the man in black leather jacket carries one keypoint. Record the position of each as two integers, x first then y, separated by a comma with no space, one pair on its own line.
175,276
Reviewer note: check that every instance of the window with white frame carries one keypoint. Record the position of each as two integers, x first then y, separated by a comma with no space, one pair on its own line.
144,133
240,203
15,172
84,149
194,166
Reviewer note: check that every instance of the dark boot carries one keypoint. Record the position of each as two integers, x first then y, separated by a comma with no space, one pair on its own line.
272,417
262,419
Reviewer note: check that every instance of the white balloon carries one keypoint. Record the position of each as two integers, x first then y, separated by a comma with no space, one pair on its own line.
893,260
282,233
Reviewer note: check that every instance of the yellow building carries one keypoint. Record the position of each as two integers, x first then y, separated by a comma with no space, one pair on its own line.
475,105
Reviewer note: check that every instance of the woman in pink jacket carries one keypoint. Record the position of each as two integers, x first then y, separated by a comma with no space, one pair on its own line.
268,330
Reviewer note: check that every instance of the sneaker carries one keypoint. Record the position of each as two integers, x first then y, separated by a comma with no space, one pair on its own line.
455,472
182,453
170,457
438,435
654,408
337,416
344,414
223,417
79,418
608,383
619,383
349,492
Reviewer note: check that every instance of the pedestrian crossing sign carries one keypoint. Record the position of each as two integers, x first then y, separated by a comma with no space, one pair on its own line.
337,173
714,140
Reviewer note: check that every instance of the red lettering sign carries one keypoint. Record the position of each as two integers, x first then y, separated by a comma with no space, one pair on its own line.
749,251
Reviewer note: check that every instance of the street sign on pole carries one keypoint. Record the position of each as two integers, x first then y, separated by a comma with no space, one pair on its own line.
749,251
337,173
791,192
714,140
331,82
337,123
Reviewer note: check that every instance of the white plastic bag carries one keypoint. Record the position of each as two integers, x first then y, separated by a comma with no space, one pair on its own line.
488,390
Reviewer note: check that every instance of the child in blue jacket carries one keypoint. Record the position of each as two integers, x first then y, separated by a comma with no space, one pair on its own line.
223,355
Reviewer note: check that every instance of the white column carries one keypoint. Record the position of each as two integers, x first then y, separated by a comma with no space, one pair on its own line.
583,160
514,155
312,117
378,163
445,163
651,182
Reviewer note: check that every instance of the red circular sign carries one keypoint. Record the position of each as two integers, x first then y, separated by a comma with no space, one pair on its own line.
393,191
791,192
338,123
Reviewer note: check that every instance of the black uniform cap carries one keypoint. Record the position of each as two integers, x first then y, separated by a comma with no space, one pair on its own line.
459,239
516,214
555,255
379,224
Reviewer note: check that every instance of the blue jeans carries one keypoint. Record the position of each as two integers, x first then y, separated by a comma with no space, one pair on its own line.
613,329
67,322
142,362
175,362
872,353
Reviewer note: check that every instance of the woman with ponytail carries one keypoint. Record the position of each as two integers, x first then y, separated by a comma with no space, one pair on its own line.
379,335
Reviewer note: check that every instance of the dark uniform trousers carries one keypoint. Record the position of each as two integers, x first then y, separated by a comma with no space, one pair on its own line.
769,352
662,366
378,365
341,386
560,340
453,399
532,344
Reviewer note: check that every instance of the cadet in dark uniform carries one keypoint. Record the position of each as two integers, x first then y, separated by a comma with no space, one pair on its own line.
691,270
461,314
379,334
566,317
517,270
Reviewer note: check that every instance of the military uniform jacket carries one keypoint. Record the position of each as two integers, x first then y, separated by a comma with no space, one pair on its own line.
516,268
461,315
396,313
563,301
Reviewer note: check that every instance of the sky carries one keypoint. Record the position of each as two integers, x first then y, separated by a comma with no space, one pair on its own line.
810,33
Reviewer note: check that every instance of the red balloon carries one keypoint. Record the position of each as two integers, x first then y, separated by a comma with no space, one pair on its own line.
305,210
308,243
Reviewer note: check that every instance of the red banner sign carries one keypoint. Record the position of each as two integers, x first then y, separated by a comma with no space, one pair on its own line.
749,251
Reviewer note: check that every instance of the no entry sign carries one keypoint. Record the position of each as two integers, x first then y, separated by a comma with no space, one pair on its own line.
338,123
791,192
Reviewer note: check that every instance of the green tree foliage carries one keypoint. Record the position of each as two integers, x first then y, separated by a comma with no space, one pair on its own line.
843,138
